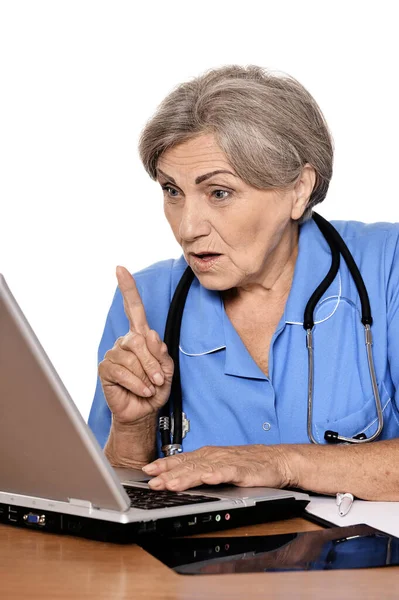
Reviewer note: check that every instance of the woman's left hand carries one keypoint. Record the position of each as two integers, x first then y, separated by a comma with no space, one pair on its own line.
245,466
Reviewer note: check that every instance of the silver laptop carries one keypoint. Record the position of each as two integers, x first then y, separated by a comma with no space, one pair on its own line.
54,476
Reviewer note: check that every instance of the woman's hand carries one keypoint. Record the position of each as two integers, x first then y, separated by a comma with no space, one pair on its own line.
136,374
245,466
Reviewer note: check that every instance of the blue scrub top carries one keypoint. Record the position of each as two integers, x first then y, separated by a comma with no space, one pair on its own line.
227,397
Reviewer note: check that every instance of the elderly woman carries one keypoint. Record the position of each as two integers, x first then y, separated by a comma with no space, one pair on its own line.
242,156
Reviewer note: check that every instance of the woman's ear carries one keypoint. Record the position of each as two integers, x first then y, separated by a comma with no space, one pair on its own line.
302,191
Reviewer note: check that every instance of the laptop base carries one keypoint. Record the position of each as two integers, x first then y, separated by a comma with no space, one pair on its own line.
127,533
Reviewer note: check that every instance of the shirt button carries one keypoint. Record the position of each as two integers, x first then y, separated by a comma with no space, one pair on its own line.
266,426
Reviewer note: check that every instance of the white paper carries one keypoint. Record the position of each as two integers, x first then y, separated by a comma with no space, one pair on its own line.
381,515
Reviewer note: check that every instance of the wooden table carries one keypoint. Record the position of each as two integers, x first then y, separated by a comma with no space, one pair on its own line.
41,566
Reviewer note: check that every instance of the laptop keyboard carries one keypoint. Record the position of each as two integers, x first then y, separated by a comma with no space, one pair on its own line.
150,499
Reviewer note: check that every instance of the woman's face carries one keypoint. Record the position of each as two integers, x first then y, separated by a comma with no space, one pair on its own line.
210,209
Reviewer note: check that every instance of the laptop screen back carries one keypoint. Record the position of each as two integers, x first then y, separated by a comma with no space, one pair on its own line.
46,448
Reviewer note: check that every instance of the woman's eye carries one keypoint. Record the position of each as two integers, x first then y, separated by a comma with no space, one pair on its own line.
170,191
220,194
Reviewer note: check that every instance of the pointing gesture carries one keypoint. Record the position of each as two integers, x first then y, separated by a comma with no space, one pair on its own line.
136,374
134,308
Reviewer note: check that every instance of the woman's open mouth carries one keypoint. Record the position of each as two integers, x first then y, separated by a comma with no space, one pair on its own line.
204,261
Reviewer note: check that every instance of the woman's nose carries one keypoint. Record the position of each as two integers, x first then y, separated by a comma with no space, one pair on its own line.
193,221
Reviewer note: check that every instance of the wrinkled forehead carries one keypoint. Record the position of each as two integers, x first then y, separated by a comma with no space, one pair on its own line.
193,157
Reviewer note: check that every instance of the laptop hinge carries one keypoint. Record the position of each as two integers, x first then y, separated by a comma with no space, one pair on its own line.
81,503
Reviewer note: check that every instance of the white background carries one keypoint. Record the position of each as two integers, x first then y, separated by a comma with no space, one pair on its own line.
78,80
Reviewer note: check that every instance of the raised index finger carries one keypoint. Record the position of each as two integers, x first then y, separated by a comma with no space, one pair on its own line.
134,307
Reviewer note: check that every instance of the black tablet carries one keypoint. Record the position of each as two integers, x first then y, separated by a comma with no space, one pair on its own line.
354,547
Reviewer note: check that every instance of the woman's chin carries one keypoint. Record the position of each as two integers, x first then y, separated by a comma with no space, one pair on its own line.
216,281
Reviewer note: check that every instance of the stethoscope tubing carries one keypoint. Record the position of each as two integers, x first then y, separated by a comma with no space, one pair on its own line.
338,247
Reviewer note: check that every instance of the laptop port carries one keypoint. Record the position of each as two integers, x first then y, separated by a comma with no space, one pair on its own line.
12,515
74,526
34,519
206,519
147,527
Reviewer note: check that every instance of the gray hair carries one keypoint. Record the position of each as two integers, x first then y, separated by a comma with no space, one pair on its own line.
267,124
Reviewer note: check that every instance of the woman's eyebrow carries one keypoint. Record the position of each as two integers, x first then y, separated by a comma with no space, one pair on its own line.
168,177
199,179
202,178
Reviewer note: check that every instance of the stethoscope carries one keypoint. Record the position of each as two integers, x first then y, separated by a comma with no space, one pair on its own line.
176,424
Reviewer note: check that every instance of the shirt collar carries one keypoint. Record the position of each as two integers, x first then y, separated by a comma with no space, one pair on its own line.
202,329
206,327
